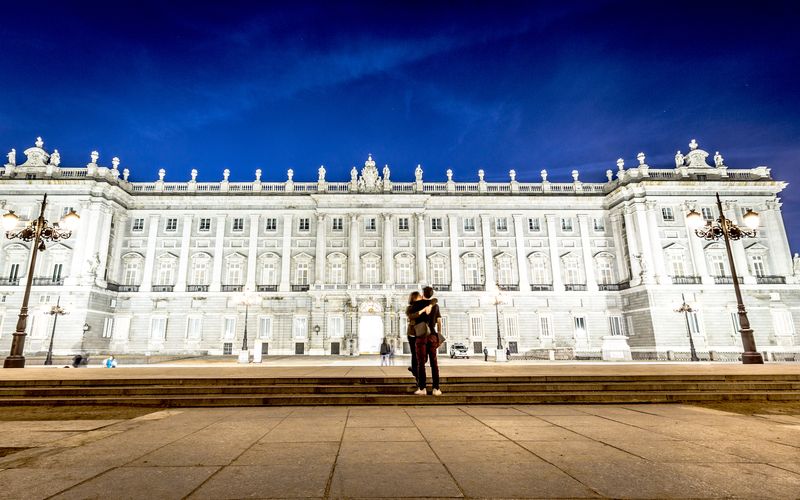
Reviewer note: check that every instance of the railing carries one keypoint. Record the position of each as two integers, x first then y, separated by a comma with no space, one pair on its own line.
541,287
9,281
300,288
473,288
624,285
162,288
196,288
128,288
267,288
726,280
48,281
575,287
771,280
686,280
608,287
508,288
232,288
442,288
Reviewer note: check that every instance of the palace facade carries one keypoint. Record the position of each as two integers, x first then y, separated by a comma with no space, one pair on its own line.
326,267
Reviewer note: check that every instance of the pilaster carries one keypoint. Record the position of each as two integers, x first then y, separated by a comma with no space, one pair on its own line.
586,250
455,267
319,274
655,242
150,255
252,253
354,252
388,248
488,260
219,248
286,253
183,259
555,259
522,261
422,252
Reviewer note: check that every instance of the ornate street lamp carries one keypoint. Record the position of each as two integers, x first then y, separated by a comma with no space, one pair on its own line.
55,312
247,300
38,231
500,354
686,309
726,230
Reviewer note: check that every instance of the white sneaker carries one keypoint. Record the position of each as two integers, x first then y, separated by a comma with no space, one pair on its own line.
437,392
421,392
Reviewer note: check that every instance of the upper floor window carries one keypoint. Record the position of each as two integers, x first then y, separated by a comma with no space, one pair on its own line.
599,224
272,224
436,224
533,224
501,224
707,214
667,214
66,211
304,224
338,224
370,224
138,225
205,225
469,224
566,224
402,224
172,225
238,224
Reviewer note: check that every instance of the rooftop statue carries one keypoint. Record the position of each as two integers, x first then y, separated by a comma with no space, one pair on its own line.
370,180
418,173
321,173
12,157
696,157
55,158
39,143
718,160
678,159
386,173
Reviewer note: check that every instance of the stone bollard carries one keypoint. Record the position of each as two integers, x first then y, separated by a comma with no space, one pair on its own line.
551,354
712,355
670,355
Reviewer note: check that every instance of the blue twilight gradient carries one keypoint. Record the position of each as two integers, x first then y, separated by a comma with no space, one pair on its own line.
467,85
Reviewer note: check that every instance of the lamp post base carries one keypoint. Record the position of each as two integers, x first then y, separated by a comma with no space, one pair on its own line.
752,358
14,362
244,357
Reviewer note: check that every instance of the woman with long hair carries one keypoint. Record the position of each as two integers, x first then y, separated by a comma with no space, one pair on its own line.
418,331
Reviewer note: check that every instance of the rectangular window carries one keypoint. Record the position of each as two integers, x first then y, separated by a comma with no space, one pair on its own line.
301,274
534,224
338,224
268,274
138,225
566,224
757,262
271,224
238,224
599,224
227,348
336,273
304,224
172,225
436,224
229,329
667,215
735,323
336,327
694,323
512,330
546,327
580,327
707,214
403,224
445,329
438,273
194,328
629,324
616,325
67,210
678,265
501,224
57,269
204,225
783,322
13,272
477,347
513,348
469,224
370,224
234,273
300,327
476,327
265,327
158,329
108,327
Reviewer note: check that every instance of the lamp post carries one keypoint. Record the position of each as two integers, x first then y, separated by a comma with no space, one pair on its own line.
686,309
500,353
726,230
246,300
38,231
55,312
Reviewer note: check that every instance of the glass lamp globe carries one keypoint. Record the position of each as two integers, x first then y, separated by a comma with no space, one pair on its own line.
10,220
70,221
751,219
694,220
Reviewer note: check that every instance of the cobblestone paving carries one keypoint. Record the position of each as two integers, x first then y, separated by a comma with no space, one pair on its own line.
580,451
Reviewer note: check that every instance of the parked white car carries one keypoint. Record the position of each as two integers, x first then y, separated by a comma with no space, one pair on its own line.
459,350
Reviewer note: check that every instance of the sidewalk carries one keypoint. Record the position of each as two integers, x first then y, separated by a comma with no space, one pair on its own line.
633,451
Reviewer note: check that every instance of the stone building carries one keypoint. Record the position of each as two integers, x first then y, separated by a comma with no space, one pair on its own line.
165,267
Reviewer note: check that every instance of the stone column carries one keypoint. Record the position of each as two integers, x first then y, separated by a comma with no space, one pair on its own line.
286,254
150,255
586,250
655,242
739,255
422,252
633,247
455,259
555,260
90,241
354,254
644,238
522,261
78,252
488,258
252,253
219,249
120,227
183,260
780,262
616,228
319,256
104,240
388,249
696,251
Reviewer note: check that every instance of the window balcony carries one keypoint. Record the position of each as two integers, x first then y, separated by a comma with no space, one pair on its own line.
232,288
508,288
686,280
442,288
267,288
128,288
163,288
114,287
9,281
473,287
48,281
196,288
541,287
608,287
726,280
300,288
624,285
771,280
575,287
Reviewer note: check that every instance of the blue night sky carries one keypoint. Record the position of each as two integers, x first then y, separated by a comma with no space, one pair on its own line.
467,85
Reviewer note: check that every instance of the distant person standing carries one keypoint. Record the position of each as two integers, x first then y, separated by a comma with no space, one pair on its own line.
485,354
110,362
385,351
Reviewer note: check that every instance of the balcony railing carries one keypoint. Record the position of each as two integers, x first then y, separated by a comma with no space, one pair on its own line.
48,281
128,288
442,288
608,287
726,280
541,287
624,285
9,281
196,288
163,288
473,288
575,287
232,288
686,280
300,288
508,288
771,280
267,288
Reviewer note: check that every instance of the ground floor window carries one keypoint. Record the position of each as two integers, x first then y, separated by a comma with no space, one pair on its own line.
264,348
512,346
477,347
227,348
299,348
335,348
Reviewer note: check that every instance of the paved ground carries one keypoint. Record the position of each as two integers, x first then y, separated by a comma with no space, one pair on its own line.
633,451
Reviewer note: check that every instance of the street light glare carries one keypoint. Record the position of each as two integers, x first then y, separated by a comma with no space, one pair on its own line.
751,219
10,220
70,221
694,220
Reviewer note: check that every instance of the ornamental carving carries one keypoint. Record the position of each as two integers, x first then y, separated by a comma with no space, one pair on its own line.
370,180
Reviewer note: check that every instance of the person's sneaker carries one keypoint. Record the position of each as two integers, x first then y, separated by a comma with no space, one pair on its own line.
421,392
437,392
411,370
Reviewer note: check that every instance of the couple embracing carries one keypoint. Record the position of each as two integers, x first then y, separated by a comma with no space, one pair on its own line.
425,336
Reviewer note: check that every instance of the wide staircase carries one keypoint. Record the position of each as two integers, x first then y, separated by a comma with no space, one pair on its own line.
388,390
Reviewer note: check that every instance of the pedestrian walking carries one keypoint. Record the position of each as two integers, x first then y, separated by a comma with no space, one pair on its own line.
485,354
385,350
391,355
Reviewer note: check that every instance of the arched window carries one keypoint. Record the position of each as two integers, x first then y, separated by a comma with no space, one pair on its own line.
540,269
234,272
200,269
473,269
337,266
604,266
572,270
132,269
505,270
268,269
370,271
405,268
438,270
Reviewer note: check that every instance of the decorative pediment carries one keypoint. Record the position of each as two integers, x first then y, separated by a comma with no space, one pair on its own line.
603,255
132,256
302,256
437,256
695,158
674,247
537,255
470,255
36,156
235,257
370,256
201,256
167,256
269,256
337,257
714,245
403,256
370,306
370,180
757,247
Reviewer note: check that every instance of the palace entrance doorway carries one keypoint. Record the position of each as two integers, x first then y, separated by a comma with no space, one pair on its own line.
370,328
